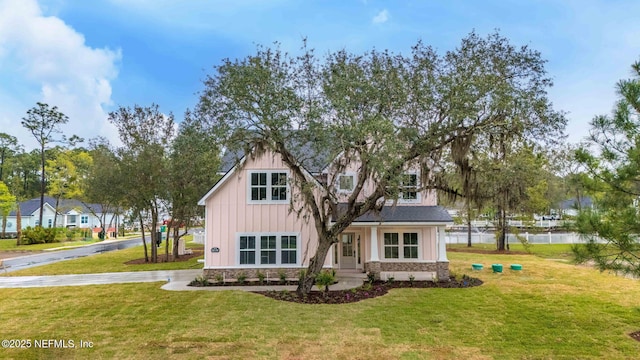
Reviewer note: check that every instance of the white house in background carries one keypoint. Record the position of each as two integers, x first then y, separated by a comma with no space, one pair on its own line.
71,213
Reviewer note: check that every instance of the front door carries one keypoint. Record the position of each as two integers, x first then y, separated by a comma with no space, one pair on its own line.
348,253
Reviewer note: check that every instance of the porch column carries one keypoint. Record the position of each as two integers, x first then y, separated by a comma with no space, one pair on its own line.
442,245
374,244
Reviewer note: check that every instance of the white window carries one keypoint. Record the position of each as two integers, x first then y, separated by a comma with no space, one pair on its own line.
268,187
408,242
409,188
289,249
247,249
390,245
268,249
410,245
84,219
346,182
50,223
71,219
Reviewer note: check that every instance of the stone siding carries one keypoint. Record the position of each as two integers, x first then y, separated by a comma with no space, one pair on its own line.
373,267
407,266
443,269
252,274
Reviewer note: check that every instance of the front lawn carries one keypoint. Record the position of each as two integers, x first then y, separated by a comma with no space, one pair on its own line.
114,261
549,310
549,251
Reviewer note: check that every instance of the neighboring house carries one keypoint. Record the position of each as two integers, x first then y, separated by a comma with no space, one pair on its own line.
71,213
572,206
249,227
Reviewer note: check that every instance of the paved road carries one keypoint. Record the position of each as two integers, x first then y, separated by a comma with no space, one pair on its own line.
48,257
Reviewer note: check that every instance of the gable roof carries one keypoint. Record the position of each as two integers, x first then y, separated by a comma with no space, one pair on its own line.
28,207
404,214
585,202
312,158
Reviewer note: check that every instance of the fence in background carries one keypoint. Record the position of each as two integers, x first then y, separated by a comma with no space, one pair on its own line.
490,238
198,237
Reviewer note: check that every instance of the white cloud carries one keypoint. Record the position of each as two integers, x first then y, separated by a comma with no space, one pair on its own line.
48,61
382,17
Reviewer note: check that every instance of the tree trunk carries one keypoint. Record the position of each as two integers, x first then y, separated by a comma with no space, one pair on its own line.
18,225
4,225
2,165
468,223
55,213
166,244
176,239
502,231
144,242
315,266
42,187
154,233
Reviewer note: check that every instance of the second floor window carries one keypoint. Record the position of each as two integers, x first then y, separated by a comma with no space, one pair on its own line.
409,187
268,186
346,182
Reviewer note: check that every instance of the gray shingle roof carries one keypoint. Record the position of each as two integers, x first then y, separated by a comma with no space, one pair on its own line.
313,159
399,213
30,206
585,202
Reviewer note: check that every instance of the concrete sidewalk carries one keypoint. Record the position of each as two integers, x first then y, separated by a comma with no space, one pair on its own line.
176,280
99,279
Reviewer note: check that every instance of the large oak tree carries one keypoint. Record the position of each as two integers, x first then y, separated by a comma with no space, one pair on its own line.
382,111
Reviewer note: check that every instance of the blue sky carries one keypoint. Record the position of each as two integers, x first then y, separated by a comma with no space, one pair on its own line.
88,57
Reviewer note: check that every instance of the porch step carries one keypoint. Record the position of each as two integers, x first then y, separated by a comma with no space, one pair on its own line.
350,274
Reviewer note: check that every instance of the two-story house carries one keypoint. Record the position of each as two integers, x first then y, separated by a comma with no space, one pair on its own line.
249,227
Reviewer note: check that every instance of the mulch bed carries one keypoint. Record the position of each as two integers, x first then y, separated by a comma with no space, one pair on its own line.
162,258
366,291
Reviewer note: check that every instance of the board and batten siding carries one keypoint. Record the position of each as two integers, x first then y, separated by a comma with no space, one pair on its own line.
229,214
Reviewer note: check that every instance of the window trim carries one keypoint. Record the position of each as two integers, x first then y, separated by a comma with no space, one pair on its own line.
269,186
352,175
401,245
418,198
278,249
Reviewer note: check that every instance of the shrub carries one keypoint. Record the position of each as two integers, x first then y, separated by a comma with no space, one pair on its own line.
302,275
218,278
38,235
371,277
411,279
242,278
325,278
199,281
260,277
283,276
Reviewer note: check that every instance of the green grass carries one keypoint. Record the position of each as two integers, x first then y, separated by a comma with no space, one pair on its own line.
10,245
547,251
113,261
550,310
